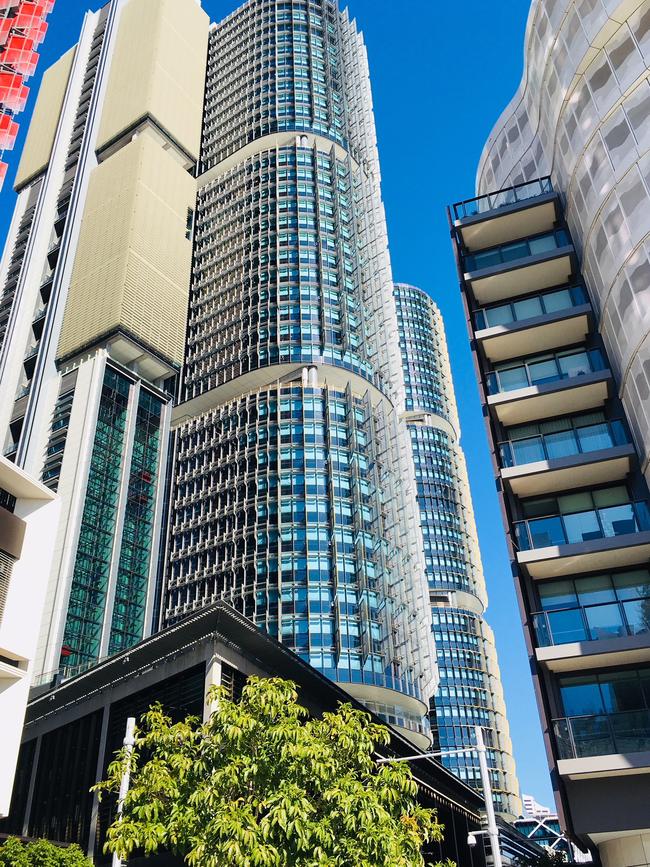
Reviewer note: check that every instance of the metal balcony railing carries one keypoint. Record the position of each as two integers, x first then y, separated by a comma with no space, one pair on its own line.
515,250
502,198
565,443
604,734
544,369
616,619
531,306
605,523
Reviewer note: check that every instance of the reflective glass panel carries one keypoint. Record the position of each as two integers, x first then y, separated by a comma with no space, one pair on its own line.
618,520
637,614
542,245
526,451
567,626
594,437
557,300
605,621
542,371
582,527
594,590
498,315
633,584
513,378
527,308
546,531
560,445
576,364
557,594
580,696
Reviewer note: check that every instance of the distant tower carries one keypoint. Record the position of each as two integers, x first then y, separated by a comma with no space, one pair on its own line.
470,691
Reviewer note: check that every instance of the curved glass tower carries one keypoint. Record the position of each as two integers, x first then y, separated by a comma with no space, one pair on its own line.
293,496
470,691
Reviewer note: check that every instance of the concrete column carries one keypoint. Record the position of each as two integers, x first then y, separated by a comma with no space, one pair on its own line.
212,678
630,850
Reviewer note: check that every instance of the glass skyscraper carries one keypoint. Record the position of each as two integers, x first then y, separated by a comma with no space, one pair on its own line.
293,495
470,691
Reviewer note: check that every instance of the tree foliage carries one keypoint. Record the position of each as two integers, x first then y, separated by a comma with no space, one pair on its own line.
263,785
40,853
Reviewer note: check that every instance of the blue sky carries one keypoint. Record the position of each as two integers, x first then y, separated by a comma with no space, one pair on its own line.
441,75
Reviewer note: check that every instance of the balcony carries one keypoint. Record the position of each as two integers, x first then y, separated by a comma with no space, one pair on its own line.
600,538
594,636
548,386
534,324
492,219
521,267
603,744
580,456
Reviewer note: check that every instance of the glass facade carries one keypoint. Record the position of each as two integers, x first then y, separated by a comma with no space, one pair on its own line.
83,628
470,692
291,500
112,566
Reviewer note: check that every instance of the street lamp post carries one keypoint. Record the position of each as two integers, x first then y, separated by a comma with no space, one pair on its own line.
479,747
128,743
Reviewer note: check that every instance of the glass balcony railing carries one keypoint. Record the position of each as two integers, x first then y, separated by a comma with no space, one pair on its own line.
580,737
540,370
605,523
530,307
502,198
563,444
593,622
515,250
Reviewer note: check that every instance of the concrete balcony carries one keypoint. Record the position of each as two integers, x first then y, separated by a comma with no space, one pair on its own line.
600,635
559,396
603,745
578,457
546,331
525,209
521,268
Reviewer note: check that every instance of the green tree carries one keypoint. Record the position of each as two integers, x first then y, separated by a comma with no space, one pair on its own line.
40,853
263,785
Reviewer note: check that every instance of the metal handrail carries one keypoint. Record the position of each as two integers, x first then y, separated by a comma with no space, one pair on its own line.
596,363
568,744
578,296
639,512
473,260
588,631
508,196
615,427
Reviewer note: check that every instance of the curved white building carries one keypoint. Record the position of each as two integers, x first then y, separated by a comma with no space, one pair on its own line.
581,115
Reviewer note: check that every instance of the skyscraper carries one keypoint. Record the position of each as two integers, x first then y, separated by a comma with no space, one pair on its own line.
293,495
93,305
470,691
556,274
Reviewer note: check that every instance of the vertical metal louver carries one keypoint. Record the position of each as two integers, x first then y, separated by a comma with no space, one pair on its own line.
6,566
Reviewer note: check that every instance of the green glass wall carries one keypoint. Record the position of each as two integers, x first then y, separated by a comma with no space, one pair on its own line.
127,622
83,629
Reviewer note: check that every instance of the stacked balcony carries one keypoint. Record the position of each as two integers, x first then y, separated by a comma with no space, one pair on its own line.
568,473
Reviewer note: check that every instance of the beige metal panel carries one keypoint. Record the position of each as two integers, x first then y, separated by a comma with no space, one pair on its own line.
158,70
132,268
42,128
